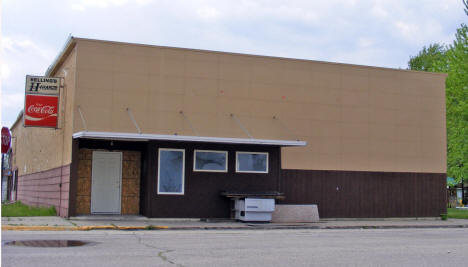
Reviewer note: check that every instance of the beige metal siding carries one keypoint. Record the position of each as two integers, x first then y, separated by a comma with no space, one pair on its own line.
353,117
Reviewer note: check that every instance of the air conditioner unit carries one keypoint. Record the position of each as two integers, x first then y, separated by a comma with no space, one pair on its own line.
254,209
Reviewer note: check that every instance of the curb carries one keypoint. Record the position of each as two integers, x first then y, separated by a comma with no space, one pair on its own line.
370,227
80,228
35,228
160,227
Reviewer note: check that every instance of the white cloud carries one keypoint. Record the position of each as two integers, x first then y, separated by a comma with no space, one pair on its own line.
23,44
82,5
12,100
379,11
408,30
208,13
11,104
20,56
5,71
365,42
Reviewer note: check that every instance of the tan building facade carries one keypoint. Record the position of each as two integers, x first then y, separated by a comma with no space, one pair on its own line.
320,116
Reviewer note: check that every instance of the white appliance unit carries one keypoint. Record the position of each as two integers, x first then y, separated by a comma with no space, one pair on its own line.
254,209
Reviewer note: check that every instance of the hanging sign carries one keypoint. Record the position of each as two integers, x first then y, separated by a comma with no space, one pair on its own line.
6,140
40,85
41,101
41,110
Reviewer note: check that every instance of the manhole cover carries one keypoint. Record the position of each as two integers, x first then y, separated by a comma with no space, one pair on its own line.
47,243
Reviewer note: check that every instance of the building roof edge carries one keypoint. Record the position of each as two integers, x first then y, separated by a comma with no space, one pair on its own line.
60,58
262,56
18,118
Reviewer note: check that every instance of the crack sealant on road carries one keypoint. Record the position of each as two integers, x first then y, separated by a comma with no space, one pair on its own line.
161,251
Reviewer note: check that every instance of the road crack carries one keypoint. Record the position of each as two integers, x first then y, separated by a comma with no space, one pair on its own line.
161,251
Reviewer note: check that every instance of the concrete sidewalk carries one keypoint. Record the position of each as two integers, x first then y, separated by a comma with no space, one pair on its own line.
143,223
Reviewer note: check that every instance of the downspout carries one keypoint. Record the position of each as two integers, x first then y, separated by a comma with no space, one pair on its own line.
279,170
64,106
72,208
63,145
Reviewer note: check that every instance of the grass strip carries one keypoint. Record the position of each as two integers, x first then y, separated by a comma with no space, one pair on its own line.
19,209
457,213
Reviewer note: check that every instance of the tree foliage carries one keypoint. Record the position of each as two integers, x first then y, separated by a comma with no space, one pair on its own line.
456,65
452,60
427,57
465,2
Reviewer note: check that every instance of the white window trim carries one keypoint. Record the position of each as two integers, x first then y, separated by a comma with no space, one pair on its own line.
250,152
215,151
183,171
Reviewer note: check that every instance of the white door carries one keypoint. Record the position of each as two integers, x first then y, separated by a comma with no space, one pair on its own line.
106,182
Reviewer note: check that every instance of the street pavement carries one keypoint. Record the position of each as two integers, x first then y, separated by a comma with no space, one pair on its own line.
280,247
141,222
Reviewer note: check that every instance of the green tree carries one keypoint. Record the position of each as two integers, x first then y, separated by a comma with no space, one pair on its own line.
452,60
427,57
456,66
465,2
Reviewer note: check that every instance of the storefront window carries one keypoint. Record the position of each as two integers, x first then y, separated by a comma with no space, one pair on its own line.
252,162
210,161
171,171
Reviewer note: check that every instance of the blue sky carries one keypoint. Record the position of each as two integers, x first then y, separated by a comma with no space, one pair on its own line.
367,32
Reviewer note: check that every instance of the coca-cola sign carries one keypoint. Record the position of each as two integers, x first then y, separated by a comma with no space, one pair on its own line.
6,139
41,110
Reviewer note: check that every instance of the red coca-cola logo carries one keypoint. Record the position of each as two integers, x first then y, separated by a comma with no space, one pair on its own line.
41,111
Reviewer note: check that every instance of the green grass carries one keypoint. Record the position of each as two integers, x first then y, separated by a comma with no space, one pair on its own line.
19,209
457,213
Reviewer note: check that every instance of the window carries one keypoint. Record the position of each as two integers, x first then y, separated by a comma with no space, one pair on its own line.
252,162
210,161
171,171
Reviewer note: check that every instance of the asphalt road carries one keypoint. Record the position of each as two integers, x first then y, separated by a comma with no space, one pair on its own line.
392,247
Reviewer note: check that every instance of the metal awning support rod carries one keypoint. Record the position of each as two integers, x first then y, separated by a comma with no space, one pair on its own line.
285,127
130,114
83,121
189,123
241,126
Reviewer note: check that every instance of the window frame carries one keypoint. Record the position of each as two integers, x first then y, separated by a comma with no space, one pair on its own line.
215,151
159,171
251,152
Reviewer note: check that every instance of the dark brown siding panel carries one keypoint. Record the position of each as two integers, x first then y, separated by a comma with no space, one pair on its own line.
73,178
202,197
46,188
356,194
338,193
